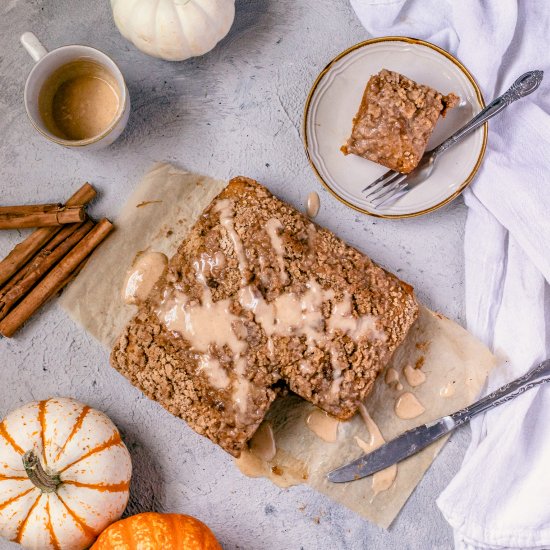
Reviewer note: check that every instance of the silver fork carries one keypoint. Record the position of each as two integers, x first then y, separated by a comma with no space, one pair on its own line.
393,185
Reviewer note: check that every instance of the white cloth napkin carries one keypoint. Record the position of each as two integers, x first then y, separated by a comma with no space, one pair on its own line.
500,498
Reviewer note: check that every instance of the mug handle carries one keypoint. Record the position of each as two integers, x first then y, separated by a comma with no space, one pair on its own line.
33,46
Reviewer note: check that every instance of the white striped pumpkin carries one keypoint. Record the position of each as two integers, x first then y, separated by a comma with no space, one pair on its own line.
64,474
174,29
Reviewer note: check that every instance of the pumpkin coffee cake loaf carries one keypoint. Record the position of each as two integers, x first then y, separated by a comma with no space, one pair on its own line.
256,301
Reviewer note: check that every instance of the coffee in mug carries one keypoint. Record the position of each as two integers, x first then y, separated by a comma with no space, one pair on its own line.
75,95
79,100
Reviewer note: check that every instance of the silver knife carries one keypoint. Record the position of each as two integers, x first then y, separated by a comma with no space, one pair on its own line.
412,441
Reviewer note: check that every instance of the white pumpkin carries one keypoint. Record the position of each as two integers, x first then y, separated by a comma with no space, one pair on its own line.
64,474
174,29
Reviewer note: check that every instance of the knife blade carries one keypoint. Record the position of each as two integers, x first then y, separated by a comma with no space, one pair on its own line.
419,438
403,446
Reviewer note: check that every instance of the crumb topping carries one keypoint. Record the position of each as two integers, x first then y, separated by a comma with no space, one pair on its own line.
395,120
258,300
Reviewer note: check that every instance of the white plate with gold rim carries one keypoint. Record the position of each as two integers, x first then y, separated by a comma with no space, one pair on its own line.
333,102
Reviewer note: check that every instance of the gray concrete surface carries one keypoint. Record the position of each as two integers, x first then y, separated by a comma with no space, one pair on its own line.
236,110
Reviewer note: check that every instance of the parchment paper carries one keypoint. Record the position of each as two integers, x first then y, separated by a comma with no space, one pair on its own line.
157,216
451,358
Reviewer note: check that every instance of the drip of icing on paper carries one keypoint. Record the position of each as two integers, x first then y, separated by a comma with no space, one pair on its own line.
392,379
415,377
407,406
313,205
383,480
448,390
262,443
323,425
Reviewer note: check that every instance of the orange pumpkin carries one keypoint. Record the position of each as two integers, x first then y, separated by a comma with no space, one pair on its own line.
152,531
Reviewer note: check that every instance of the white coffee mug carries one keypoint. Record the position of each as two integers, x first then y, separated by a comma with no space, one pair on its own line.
46,64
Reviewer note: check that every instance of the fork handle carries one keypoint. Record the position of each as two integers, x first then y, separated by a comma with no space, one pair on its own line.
523,86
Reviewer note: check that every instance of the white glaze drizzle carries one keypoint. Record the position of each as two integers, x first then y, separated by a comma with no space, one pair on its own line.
294,314
201,324
225,209
206,324
142,276
209,266
273,226
214,371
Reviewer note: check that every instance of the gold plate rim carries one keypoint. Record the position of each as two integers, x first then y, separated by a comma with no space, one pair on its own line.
407,40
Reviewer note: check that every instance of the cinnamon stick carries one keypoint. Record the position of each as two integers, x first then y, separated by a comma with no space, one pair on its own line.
19,217
56,279
29,208
52,253
83,196
25,270
25,250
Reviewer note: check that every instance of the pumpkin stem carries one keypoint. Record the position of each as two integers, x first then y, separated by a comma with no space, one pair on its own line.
47,483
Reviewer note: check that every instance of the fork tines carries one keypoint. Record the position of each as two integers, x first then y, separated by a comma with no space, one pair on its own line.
385,188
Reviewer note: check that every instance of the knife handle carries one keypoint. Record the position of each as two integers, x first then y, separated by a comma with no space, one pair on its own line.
536,376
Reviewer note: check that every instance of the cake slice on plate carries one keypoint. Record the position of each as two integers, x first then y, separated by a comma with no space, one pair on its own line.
395,121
